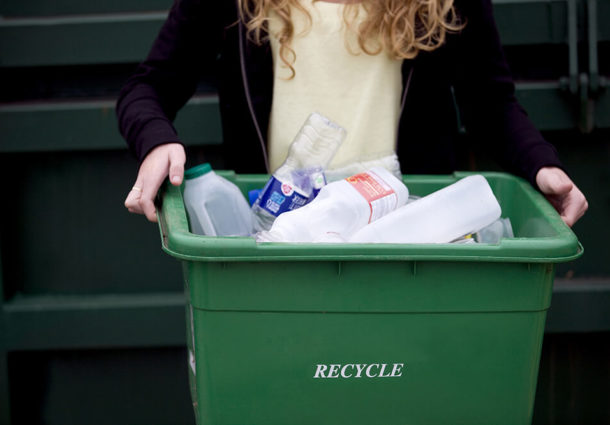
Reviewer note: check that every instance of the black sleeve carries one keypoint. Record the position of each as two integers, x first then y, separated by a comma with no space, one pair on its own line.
164,82
485,94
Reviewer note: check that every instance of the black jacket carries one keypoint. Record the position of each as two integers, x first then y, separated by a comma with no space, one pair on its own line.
469,71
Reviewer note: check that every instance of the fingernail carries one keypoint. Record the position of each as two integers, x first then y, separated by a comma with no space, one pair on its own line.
175,179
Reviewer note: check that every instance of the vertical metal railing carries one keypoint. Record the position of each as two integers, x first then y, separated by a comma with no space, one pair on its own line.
573,45
594,78
586,85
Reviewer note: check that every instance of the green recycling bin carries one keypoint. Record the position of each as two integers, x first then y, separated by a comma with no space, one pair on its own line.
327,334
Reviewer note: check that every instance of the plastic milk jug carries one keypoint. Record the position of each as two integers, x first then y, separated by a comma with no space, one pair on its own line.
443,216
340,209
299,179
215,206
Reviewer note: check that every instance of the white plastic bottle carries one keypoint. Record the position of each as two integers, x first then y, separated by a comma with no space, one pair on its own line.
443,216
340,209
299,179
215,206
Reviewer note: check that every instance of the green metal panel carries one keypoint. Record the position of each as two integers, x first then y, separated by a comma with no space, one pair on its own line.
101,38
588,160
91,125
10,8
580,305
540,22
67,231
548,105
603,12
121,38
199,122
52,322
531,21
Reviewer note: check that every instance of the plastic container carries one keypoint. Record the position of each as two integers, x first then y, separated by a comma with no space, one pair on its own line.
341,208
441,333
459,209
215,206
497,230
301,177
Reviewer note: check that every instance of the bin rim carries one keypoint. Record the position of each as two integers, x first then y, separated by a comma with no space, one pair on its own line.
178,242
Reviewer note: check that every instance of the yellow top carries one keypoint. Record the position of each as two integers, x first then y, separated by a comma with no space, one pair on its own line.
358,91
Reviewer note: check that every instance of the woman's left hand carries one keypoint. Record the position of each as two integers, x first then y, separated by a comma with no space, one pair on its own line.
562,193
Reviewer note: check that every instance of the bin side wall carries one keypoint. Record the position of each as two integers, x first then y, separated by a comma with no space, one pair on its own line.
370,286
451,368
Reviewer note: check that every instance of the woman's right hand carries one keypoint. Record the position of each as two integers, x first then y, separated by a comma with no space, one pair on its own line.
164,160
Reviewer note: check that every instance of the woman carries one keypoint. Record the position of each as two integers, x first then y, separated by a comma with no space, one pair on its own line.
393,71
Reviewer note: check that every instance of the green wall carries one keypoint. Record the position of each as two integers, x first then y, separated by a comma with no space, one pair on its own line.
92,324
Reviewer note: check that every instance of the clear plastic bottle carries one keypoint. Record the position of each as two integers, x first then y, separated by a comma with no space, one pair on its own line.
340,209
441,217
215,206
501,228
299,179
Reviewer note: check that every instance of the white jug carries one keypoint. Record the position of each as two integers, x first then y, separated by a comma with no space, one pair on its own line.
340,209
443,216
215,206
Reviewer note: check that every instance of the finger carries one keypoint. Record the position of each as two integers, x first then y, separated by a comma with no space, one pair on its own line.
132,202
556,202
574,207
148,207
554,182
176,166
149,191
146,202
555,186
568,220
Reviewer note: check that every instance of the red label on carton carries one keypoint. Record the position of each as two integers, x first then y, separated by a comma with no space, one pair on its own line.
376,191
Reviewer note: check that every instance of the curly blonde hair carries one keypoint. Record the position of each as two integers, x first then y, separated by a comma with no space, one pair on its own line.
402,28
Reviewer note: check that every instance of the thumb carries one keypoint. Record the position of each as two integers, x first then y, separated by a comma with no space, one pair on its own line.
176,167
554,182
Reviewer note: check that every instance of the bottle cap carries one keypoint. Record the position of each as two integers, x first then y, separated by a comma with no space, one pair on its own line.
253,195
197,171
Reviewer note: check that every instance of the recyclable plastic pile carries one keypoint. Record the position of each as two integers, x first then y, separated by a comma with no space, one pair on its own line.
298,206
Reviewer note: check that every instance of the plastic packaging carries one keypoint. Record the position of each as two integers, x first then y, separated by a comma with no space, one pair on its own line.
299,179
501,228
441,217
253,195
340,209
215,206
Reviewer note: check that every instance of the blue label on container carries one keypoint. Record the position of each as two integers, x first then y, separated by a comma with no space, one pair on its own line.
278,197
